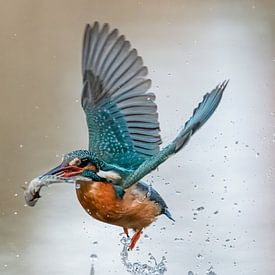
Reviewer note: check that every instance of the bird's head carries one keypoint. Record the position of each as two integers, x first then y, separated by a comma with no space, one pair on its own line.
74,164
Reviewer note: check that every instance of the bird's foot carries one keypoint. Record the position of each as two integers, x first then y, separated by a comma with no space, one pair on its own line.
126,232
134,239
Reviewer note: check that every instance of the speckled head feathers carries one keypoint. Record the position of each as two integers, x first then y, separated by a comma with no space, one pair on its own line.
78,154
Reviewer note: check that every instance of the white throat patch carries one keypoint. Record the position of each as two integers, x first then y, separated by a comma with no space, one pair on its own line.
109,175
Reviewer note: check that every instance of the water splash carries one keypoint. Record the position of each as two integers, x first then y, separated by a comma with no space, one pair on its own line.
210,271
137,268
93,260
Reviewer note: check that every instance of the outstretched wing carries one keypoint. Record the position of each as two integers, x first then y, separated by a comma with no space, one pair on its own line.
200,115
121,115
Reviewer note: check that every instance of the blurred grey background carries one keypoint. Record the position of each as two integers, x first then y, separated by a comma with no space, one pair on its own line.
227,168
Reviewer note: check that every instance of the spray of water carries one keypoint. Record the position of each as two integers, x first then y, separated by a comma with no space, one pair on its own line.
138,268
152,267
93,258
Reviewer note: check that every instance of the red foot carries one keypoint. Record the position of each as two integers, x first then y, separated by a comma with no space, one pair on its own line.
126,231
135,239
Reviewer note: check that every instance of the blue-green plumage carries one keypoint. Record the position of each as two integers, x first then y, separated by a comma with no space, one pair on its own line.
153,195
124,136
121,115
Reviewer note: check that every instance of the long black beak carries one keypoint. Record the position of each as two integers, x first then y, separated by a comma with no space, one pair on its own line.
64,170
53,171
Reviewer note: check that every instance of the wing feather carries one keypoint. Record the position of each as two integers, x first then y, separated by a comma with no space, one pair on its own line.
121,115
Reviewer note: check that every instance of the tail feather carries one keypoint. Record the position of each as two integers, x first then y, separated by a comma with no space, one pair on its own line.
167,213
200,115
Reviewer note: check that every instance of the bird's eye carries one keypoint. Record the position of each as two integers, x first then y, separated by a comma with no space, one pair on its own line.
84,162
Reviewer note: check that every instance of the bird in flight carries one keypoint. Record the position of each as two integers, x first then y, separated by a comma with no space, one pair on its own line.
124,136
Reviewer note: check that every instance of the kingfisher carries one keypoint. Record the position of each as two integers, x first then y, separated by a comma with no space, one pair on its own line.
124,136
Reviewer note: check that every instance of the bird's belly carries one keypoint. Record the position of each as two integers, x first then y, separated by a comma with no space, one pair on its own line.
133,211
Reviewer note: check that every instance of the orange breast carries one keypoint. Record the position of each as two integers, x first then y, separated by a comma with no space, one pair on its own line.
133,211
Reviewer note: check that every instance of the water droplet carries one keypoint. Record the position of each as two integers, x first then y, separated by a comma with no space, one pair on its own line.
236,142
200,208
200,257
93,257
13,35
5,265
178,239
216,212
15,195
15,212
257,154
210,271
77,185
21,145
178,192
92,271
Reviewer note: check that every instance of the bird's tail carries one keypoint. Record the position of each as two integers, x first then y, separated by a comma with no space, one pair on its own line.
167,213
200,115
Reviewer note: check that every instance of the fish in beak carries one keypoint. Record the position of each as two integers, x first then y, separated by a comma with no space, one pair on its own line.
61,174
